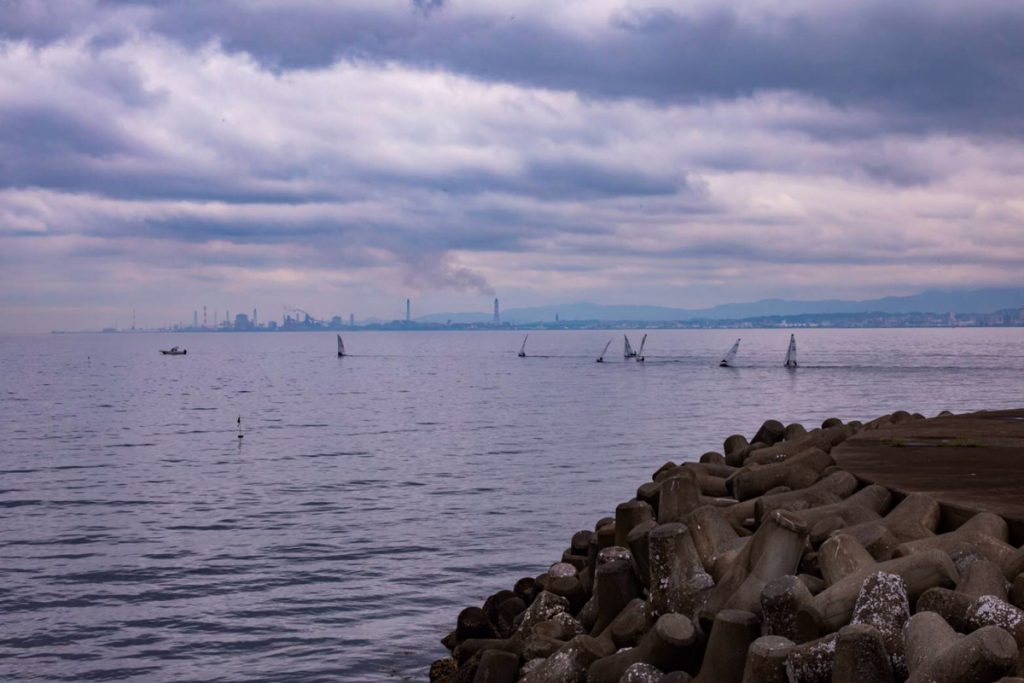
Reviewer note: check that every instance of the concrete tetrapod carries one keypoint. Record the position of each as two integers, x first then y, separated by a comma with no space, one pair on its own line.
866,505
627,627
937,654
824,439
771,432
917,516
881,604
766,660
884,605
841,556
833,607
773,551
731,636
860,656
796,472
712,536
781,601
498,667
639,547
641,673
830,489
735,448
667,646
984,531
949,604
615,584
812,662
567,665
989,610
627,516
1016,593
678,497
677,575
982,577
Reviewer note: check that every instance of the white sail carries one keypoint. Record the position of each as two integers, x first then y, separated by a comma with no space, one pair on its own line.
522,349
640,353
730,356
628,352
341,347
600,359
791,352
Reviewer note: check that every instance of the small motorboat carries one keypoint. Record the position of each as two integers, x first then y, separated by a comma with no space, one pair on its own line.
174,351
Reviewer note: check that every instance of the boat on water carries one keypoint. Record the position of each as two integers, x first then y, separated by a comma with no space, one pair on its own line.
174,351
640,353
600,359
628,351
730,356
791,352
522,349
341,347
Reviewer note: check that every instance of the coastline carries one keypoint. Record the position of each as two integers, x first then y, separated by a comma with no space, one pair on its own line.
815,553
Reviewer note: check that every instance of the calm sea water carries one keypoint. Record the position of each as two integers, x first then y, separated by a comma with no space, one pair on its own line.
372,497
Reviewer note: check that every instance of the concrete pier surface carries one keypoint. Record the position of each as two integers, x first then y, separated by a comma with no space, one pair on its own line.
969,463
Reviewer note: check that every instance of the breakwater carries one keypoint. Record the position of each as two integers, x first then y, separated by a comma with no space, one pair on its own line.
768,562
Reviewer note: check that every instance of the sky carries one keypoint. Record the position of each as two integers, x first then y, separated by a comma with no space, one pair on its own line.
342,156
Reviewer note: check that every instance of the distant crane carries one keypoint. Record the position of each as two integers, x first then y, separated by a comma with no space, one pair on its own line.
307,319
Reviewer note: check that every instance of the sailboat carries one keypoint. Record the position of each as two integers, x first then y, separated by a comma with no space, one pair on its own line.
341,347
522,349
730,356
640,354
791,352
628,352
600,359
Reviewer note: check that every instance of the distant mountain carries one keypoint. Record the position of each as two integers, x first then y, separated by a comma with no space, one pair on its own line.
933,301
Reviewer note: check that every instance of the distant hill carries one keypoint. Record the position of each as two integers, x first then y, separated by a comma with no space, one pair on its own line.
932,301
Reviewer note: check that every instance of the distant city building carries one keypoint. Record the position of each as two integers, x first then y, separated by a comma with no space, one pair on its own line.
351,319
242,322
336,321
497,312
408,311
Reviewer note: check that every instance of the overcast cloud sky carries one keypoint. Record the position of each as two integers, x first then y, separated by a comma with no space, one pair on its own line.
341,156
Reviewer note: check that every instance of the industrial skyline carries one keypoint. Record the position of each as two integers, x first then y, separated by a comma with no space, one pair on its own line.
928,309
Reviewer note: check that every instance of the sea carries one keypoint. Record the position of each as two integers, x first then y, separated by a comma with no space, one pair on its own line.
370,498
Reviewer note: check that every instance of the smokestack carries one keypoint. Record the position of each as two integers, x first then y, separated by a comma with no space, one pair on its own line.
408,311
497,312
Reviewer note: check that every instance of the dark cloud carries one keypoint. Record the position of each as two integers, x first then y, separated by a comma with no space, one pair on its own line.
922,63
